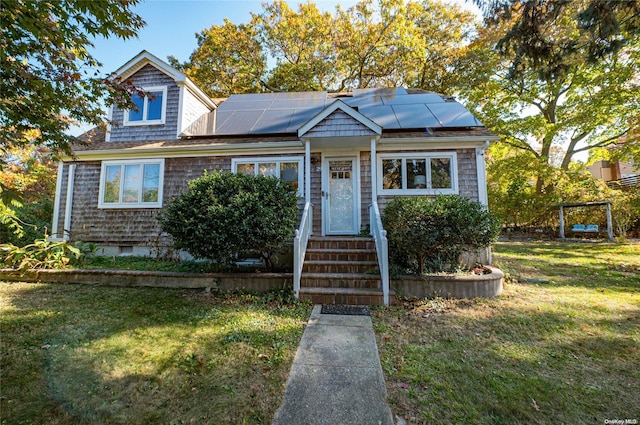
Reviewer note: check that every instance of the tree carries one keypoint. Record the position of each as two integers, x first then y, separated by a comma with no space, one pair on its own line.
48,79
586,106
226,217
378,43
229,59
302,44
601,28
28,178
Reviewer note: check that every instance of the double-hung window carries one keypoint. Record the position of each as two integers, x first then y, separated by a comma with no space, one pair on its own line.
288,169
150,107
427,173
131,184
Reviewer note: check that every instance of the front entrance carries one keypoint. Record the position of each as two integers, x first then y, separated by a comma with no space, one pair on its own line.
340,196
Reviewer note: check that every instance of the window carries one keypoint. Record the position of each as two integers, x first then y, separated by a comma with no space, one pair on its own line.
289,169
131,184
150,108
417,173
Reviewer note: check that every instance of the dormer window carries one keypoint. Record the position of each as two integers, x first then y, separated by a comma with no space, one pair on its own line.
150,109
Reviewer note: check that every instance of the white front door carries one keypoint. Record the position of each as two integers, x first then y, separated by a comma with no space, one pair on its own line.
340,203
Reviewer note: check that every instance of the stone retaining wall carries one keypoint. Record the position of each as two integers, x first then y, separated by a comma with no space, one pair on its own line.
254,282
450,286
484,286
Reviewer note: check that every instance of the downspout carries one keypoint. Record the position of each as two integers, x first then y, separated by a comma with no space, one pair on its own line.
68,206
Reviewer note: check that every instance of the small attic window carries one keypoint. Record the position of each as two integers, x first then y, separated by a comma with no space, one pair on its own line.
150,109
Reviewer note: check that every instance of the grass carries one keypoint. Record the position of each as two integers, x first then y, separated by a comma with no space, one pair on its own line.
76,354
560,345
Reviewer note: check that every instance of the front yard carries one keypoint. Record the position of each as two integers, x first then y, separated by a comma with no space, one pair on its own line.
83,354
561,345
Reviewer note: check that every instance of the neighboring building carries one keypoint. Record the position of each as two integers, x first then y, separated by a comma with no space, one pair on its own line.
343,151
616,174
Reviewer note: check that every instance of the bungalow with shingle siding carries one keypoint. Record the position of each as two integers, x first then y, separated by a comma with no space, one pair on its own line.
345,152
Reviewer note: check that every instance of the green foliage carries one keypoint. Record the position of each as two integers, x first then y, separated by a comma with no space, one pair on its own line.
430,234
48,78
220,70
226,217
374,43
41,254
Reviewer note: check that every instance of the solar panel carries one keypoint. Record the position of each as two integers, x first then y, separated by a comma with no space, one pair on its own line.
381,115
246,105
384,91
240,122
412,98
251,96
297,103
300,117
302,95
273,121
415,116
391,108
453,114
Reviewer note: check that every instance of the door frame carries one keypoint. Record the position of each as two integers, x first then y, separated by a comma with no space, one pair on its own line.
355,176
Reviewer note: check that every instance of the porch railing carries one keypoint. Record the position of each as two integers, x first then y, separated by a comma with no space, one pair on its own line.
300,246
382,248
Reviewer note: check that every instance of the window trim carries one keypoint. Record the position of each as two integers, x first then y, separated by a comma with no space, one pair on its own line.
130,205
163,112
278,160
427,156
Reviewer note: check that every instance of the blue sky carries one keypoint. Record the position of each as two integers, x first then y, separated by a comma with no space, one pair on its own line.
172,25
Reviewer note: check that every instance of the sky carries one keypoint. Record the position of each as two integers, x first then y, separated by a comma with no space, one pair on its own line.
172,25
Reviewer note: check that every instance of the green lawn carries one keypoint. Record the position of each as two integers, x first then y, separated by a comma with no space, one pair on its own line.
561,345
96,355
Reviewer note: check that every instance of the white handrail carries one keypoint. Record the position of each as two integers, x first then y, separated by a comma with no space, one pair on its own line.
300,246
382,248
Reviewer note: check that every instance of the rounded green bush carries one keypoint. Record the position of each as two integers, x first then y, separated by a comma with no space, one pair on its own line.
429,234
226,217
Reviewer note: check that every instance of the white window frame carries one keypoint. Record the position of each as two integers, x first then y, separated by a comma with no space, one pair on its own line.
131,205
427,156
145,121
273,159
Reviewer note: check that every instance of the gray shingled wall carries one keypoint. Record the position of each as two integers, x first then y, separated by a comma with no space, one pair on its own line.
146,77
339,124
129,226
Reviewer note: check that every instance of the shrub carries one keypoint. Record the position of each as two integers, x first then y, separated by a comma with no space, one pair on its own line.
226,217
41,254
430,234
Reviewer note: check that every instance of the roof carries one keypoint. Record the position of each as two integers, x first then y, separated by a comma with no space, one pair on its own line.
391,109
145,58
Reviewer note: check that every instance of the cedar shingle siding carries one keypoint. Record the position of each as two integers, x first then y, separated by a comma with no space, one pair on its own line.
146,77
136,226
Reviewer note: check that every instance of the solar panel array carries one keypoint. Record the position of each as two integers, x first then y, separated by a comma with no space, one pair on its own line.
391,108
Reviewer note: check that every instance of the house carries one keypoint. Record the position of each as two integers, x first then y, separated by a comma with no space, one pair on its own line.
617,174
347,153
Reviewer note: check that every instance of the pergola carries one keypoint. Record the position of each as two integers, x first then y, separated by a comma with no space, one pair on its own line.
588,204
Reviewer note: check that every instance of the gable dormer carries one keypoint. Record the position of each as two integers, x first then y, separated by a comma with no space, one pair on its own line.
172,102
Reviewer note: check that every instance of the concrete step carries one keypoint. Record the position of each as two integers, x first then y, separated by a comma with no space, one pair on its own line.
335,254
323,266
340,280
353,296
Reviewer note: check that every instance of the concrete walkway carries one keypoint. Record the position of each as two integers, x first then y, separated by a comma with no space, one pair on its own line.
336,376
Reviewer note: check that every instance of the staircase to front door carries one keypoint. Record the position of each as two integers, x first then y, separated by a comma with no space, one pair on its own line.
341,270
